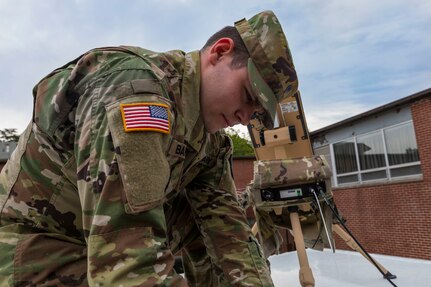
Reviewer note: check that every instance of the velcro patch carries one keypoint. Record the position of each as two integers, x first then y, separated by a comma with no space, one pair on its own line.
145,117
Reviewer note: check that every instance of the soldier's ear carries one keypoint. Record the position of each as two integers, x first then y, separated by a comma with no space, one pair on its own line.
221,48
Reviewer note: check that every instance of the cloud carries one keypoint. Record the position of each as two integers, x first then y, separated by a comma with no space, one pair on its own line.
362,53
319,116
369,52
14,118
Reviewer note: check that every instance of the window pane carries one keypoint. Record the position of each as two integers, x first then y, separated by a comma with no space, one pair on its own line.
347,179
381,174
345,157
401,144
406,170
371,152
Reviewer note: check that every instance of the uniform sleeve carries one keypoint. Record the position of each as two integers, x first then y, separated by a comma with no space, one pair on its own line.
223,224
123,172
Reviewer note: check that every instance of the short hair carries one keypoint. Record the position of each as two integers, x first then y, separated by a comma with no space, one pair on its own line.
240,55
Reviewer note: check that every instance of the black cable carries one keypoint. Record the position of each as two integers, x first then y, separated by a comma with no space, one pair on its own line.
318,237
351,235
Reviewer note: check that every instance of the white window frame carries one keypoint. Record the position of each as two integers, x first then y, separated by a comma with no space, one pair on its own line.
387,168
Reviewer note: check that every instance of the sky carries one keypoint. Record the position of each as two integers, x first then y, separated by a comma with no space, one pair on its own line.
350,55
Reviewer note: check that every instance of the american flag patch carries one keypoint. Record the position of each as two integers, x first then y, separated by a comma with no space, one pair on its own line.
145,117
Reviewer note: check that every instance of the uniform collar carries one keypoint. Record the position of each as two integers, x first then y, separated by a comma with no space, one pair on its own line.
195,131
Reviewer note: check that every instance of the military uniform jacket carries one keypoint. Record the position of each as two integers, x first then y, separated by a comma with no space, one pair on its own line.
115,136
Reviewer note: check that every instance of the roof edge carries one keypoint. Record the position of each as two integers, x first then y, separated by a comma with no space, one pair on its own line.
409,99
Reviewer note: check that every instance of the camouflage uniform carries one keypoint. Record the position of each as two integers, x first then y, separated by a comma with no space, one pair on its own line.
93,197
84,202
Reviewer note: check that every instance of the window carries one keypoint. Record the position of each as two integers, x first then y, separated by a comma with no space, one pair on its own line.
384,154
371,152
402,150
345,161
401,145
345,156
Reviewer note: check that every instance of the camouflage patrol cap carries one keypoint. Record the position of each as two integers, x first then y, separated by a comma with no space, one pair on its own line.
271,70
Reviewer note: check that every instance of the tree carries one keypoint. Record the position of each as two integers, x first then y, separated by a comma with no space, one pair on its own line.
9,135
241,145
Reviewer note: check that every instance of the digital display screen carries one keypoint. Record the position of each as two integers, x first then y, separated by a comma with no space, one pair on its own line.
288,193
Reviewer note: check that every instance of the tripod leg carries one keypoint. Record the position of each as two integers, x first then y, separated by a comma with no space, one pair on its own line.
305,274
352,244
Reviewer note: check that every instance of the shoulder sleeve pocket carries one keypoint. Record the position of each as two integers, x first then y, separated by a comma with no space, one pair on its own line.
140,147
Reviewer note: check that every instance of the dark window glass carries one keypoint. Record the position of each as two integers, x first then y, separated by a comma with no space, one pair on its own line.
375,175
406,170
347,179
401,144
345,157
371,152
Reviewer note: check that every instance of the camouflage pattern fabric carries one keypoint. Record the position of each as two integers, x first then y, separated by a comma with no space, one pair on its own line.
88,200
285,173
272,61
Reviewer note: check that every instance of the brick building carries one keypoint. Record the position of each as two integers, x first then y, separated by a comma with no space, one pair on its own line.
381,160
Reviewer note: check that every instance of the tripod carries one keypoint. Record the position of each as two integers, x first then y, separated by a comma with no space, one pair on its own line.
339,227
288,175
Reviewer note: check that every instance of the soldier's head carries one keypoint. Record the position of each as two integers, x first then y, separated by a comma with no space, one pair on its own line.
240,53
246,70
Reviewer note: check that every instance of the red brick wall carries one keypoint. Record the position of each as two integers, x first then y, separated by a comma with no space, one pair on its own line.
243,171
394,219
421,112
243,174
391,219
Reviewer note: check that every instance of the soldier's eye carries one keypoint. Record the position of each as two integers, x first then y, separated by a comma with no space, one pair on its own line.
250,99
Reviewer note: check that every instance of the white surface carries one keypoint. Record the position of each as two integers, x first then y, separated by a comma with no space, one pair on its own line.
350,269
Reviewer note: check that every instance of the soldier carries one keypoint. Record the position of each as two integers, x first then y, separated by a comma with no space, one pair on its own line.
124,165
